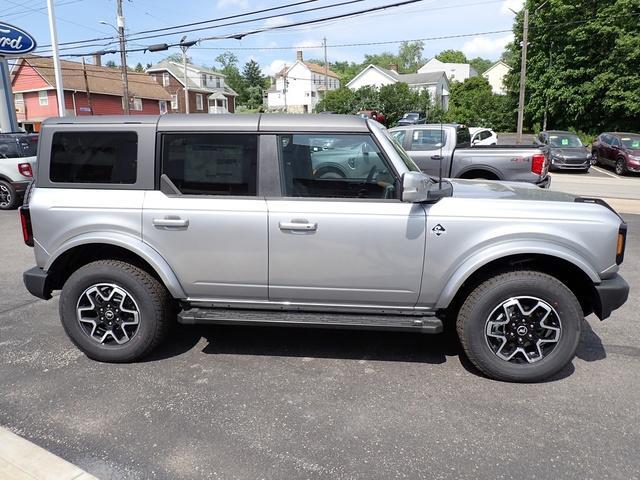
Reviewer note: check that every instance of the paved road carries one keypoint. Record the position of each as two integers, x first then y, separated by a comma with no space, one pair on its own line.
249,403
599,182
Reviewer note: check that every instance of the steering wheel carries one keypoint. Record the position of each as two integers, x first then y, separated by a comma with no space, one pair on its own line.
372,173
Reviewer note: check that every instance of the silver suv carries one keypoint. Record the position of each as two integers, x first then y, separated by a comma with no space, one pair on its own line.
306,220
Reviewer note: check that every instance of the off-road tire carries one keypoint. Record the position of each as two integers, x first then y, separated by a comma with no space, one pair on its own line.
476,309
8,189
155,305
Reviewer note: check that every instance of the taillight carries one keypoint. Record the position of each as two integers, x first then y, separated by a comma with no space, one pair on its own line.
25,220
622,241
537,163
25,169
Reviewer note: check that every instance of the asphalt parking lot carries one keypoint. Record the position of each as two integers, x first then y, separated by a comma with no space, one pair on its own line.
282,403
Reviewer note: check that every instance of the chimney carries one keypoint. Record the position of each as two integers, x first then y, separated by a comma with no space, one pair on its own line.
299,55
393,67
97,59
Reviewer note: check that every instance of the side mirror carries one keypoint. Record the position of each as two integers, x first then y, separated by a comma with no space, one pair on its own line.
475,141
415,187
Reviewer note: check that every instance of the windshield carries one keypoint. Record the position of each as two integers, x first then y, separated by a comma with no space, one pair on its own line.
410,164
563,140
631,142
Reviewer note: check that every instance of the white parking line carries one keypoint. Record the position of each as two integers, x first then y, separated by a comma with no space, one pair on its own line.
598,169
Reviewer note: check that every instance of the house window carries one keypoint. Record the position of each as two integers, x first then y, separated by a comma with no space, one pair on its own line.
165,79
199,102
43,98
218,82
137,104
18,99
174,102
203,79
163,106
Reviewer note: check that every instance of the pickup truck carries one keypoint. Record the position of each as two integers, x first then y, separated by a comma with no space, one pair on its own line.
446,150
17,162
143,221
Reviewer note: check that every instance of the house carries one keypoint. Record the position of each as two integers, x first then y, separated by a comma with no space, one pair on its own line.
298,88
495,75
436,83
456,72
207,89
34,87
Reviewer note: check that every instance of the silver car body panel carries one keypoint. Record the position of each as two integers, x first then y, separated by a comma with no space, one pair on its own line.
311,253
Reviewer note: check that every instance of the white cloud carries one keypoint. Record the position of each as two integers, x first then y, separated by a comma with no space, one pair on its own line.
243,4
509,5
275,66
486,47
276,21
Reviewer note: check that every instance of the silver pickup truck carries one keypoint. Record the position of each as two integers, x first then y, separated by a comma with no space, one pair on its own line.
237,219
446,150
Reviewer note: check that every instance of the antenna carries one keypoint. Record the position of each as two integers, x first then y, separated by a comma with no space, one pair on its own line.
440,166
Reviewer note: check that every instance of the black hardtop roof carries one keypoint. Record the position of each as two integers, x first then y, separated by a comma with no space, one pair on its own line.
269,122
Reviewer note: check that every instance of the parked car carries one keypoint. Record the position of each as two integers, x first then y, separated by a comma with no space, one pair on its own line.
618,150
483,136
17,161
566,150
222,219
447,148
412,118
376,115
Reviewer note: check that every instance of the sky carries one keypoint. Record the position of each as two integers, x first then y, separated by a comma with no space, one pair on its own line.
80,20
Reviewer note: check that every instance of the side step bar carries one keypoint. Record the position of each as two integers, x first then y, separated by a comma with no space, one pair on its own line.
423,324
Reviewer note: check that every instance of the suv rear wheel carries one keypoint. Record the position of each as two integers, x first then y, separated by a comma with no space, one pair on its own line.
114,311
8,198
521,326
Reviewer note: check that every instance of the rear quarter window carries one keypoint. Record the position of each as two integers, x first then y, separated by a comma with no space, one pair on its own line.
94,157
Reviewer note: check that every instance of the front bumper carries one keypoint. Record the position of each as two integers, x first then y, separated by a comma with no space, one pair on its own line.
37,282
561,164
610,295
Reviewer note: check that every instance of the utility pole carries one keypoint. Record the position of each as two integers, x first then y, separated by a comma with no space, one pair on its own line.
186,78
123,58
326,70
546,96
56,58
284,79
86,86
523,74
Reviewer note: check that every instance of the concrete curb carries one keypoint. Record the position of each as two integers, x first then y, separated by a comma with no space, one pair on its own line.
23,460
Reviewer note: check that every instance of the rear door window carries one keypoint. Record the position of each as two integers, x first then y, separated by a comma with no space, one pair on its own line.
424,139
9,148
94,157
211,163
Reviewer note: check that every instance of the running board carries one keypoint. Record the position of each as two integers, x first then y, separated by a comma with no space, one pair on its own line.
423,324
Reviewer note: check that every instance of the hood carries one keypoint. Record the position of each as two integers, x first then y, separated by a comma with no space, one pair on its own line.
490,189
575,152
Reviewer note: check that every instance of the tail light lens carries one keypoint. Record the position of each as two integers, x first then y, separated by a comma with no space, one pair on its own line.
25,221
25,169
622,243
537,163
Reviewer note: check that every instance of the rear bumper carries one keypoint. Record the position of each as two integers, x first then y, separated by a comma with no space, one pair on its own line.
20,187
545,182
611,294
37,282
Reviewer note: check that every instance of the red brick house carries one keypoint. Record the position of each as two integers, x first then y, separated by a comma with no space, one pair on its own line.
34,87
208,91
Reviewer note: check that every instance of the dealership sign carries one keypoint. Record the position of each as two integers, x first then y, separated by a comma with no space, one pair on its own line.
15,41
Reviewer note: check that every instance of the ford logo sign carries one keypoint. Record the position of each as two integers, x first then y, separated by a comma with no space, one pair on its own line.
15,41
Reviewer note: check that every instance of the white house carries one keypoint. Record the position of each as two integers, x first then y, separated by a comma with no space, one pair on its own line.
436,83
458,72
495,76
297,89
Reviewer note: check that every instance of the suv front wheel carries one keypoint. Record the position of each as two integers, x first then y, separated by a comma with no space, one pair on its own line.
114,311
8,196
521,326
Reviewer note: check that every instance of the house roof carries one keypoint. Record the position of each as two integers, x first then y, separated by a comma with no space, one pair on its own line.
104,80
428,78
177,71
499,62
314,67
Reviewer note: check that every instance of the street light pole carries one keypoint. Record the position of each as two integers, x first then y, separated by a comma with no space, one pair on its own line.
123,58
523,75
56,58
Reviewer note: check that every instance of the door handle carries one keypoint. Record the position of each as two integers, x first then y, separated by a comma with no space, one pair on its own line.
437,157
298,225
171,222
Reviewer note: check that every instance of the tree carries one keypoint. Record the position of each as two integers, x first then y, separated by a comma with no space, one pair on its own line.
254,83
177,58
452,56
111,64
139,68
583,73
480,65
410,56
472,102
229,63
